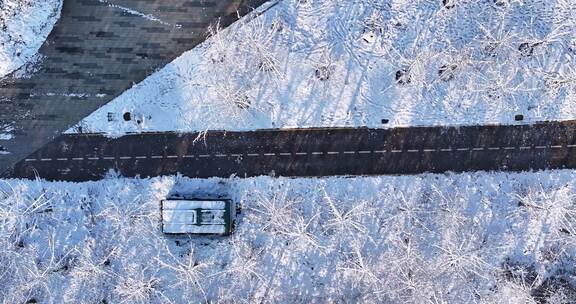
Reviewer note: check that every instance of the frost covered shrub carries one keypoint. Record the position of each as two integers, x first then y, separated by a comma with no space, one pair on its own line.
467,238
240,57
426,61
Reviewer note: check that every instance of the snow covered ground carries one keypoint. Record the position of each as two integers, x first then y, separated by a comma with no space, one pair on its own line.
452,238
465,238
24,25
365,63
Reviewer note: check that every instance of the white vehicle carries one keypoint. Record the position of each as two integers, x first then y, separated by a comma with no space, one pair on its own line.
197,216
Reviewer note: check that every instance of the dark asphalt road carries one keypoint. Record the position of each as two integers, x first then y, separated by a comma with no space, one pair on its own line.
307,152
97,50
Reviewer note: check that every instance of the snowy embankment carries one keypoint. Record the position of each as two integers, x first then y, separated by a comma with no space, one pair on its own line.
365,63
466,238
24,26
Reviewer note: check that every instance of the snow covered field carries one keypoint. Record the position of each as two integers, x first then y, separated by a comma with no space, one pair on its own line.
453,238
24,25
365,63
466,238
